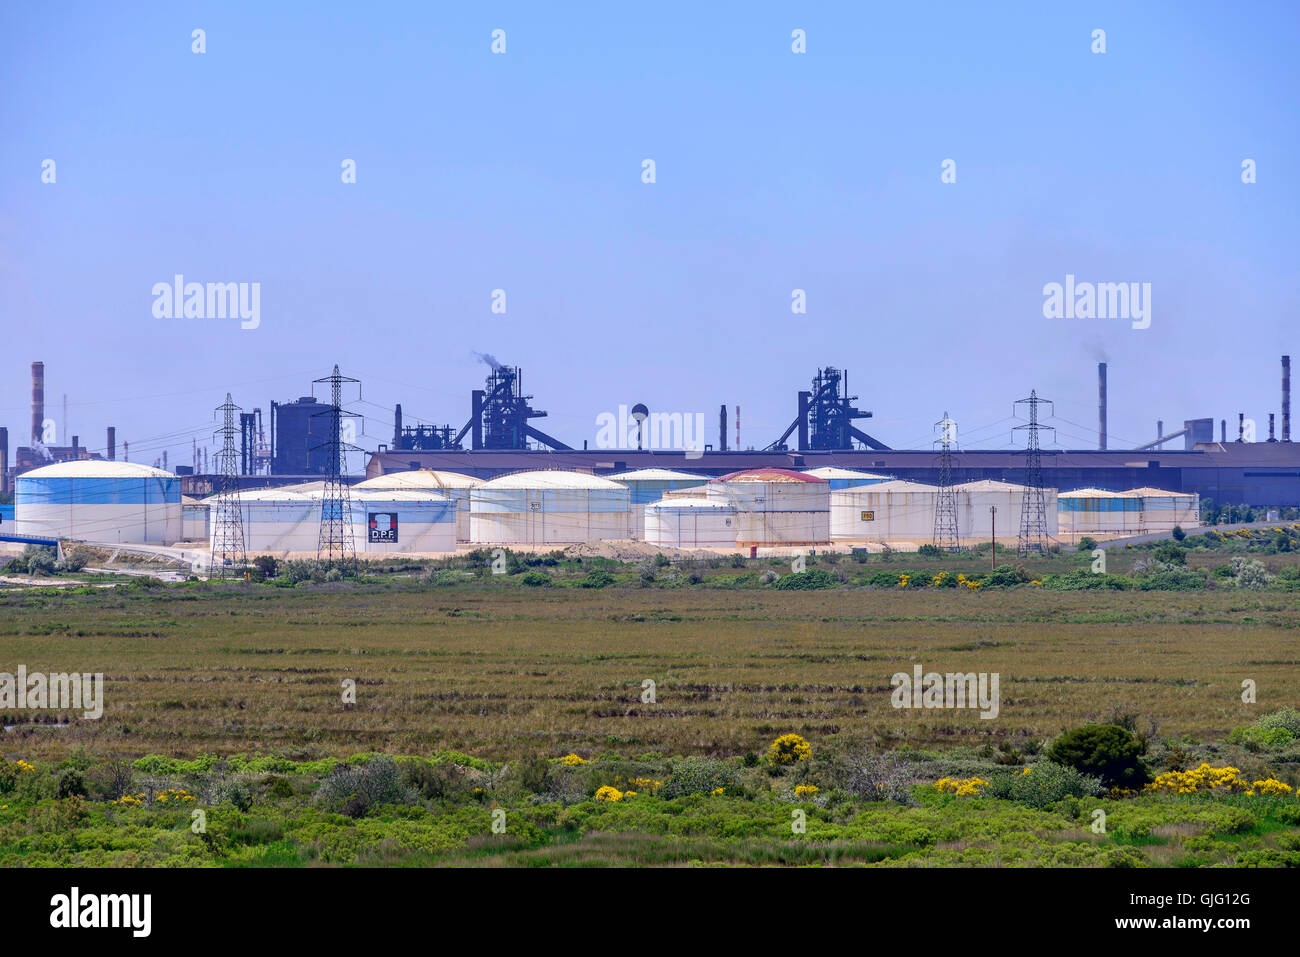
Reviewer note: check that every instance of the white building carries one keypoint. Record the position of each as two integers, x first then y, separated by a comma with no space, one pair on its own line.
98,501
548,507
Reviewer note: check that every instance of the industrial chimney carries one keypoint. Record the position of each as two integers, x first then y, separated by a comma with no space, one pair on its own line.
38,402
112,443
1101,405
1270,428
397,426
1286,398
1241,426
4,460
722,429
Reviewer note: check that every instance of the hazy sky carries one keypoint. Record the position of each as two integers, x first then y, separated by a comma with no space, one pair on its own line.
775,171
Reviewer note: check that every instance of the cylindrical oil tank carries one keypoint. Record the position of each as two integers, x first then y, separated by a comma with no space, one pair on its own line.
98,501
650,485
1159,510
975,499
452,484
403,520
548,507
840,478
776,506
690,523
1096,512
894,511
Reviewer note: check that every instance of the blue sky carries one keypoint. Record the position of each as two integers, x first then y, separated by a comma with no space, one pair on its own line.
775,171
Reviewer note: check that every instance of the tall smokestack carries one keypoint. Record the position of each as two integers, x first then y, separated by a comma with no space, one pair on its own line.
1241,426
112,443
1160,434
1223,431
4,460
737,428
1286,398
1270,428
722,429
38,401
397,426
1101,405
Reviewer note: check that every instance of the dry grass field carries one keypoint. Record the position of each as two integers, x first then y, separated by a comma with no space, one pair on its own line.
507,672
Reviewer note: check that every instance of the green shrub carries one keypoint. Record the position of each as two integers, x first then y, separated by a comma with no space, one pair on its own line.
697,776
71,783
535,579
1105,751
802,581
597,578
1046,783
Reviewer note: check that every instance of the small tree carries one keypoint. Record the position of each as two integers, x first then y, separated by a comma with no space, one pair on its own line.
1105,751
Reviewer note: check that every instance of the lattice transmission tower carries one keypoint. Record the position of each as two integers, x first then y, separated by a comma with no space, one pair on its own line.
1034,536
228,555
946,534
336,545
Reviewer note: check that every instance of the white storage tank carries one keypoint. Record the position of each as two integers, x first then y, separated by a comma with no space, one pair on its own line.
651,485
278,520
98,501
194,520
452,484
1160,510
402,520
776,506
548,507
690,523
883,512
841,478
975,522
1095,511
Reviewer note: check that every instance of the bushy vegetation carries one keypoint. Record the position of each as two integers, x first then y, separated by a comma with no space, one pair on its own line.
1107,752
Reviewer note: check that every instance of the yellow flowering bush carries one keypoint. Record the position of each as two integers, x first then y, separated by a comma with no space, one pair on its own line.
23,765
903,580
962,787
717,791
645,784
1204,779
608,793
788,749
572,760
805,790
1270,787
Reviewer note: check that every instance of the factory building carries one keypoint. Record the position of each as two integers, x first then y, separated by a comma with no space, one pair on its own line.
98,501
453,485
842,478
548,507
883,512
775,506
650,485
687,522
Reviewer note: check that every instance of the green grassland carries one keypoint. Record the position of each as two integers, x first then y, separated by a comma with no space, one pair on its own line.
229,698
